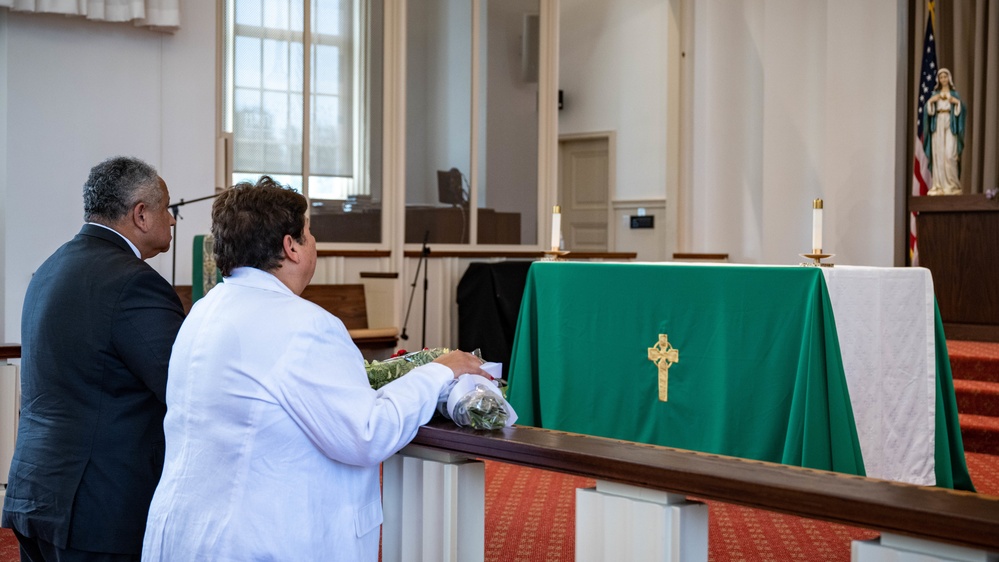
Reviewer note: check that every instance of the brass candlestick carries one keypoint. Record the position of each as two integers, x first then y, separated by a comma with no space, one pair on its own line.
817,256
554,255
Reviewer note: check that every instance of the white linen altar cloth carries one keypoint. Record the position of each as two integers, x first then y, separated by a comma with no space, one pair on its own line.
885,323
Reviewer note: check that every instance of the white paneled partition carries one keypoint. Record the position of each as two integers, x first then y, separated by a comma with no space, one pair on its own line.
341,269
443,275
10,405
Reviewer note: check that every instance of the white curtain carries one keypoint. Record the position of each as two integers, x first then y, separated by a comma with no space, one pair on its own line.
162,15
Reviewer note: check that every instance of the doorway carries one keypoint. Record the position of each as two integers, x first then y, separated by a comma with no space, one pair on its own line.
585,172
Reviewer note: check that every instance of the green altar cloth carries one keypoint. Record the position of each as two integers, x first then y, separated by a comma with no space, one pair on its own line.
204,273
759,372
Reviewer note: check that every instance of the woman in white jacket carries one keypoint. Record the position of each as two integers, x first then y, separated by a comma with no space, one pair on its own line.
273,433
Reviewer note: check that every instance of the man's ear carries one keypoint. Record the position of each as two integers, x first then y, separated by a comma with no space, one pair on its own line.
139,216
291,252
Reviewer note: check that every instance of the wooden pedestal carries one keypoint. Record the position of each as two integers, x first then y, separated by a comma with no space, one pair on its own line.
958,241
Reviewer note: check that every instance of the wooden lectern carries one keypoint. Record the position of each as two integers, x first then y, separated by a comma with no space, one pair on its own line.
958,241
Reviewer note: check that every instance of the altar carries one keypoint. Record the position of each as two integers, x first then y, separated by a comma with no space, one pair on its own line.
841,369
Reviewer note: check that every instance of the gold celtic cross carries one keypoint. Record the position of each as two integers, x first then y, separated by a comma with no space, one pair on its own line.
663,355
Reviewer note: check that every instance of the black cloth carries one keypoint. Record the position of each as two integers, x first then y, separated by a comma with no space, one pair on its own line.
96,333
489,296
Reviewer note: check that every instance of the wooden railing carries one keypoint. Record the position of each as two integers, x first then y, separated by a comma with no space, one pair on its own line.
936,514
962,518
10,351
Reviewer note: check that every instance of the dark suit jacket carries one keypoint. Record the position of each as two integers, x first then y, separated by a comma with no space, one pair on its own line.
96,334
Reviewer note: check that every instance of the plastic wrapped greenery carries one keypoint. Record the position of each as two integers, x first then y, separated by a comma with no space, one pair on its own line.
480,409
475,401
470,400
380,373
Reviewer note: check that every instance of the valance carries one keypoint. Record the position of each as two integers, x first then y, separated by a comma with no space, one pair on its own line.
161,15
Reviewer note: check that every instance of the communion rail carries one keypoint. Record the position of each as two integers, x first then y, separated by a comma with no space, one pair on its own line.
934,515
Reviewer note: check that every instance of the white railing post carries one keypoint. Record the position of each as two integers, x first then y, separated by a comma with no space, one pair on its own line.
890,547
434,504
622,522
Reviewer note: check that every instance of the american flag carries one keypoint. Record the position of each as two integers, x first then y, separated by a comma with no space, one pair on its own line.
921,177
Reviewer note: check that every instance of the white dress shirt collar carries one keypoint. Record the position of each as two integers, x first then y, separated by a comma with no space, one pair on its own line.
130,245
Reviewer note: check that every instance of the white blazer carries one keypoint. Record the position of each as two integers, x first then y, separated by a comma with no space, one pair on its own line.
273,434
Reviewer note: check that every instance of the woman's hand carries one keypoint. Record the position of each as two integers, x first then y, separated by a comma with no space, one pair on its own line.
461,363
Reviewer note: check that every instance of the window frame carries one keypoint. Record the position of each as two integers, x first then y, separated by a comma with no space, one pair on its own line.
354,54
393,130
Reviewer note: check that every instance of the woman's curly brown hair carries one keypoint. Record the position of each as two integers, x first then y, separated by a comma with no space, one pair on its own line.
250,221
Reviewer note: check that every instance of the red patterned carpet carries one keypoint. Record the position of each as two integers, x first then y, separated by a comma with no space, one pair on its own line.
530,517
974,360
975,366
8,546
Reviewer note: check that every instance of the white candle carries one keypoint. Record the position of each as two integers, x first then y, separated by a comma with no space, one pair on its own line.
817,226
556,227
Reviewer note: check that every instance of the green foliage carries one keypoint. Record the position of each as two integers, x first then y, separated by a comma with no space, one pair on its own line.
380,373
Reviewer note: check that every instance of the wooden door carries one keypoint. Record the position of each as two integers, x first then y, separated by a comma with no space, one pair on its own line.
583,192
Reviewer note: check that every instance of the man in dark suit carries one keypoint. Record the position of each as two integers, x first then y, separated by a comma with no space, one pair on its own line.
96,333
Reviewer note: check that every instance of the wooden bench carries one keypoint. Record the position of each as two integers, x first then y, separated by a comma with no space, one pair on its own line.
346,302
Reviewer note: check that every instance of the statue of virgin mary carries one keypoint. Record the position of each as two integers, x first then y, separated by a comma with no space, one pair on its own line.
943,124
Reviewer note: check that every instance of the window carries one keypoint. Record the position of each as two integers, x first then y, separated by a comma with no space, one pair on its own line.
323,140
472,122
470,170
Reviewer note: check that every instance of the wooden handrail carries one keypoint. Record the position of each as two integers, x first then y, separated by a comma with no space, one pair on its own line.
937,514
10,351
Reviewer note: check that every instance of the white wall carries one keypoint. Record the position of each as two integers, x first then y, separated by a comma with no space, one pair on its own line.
793,100
619,71
80,91
612,71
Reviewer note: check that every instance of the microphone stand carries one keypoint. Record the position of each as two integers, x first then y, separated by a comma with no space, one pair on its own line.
423,256
175,209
